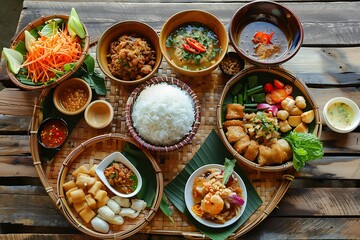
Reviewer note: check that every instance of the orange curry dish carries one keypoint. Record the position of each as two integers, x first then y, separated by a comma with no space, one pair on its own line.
121,178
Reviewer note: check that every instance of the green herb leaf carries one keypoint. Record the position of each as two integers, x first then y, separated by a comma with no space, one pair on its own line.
50,29
89,63
165,207
229,168
305,147
93,78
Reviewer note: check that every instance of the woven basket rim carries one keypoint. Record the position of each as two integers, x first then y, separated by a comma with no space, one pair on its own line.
132,98
280,72
21,36
66,209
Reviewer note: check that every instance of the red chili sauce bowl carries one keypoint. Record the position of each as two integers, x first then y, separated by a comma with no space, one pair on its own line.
52,133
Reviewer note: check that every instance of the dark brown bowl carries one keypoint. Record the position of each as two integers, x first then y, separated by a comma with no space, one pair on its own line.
284,22
129,107
53,122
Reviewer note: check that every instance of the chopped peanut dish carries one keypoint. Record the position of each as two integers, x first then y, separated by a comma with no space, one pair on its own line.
215,201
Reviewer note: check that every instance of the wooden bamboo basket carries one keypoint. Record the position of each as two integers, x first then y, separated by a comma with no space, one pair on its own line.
132,98
270,186
288,78
21,37
96,149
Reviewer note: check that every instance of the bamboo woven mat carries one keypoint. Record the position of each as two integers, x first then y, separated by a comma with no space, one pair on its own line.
270,186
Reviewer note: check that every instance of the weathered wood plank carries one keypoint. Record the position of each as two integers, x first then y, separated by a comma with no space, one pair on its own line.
17,166
282,228
14,145
323,26
332,167
306,228
25,205
296,206
319,202
9,123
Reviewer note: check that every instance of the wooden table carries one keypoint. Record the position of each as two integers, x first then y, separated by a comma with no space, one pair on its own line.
323,200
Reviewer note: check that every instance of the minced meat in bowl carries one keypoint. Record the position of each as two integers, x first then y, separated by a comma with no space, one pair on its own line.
131,57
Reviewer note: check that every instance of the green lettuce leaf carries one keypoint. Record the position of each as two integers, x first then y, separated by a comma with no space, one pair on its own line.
305,147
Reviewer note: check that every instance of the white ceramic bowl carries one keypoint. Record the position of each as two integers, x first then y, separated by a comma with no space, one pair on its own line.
333,124
99,114
118,157
189,201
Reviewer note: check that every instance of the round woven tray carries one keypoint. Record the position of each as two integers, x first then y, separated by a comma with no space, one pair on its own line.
91,152
288,78
21,37
132,98
270,186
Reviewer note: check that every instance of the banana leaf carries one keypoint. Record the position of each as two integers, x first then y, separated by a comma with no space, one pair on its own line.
212,151
49,110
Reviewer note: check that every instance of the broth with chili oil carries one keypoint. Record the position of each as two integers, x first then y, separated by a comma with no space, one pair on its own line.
121,178
193,46
53,133
262,41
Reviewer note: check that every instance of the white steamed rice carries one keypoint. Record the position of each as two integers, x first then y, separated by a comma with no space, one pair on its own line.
163,114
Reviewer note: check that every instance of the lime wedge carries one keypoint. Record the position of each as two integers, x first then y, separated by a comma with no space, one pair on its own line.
14,59
75,26
29,40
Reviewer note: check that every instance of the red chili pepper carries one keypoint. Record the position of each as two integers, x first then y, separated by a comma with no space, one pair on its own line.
257,37
189,49
261,37
195,44
266,38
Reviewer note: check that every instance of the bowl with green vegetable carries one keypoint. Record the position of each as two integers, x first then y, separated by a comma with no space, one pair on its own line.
193,42
47,51
268,120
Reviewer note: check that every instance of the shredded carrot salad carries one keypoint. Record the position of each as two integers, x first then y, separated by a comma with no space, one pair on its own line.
48,55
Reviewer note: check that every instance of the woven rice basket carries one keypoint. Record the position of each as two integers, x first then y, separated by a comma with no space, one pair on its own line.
270,186
288,78
132,98
21,37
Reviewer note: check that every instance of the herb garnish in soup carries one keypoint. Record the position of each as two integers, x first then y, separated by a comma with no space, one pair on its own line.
193,46
121,178
340,115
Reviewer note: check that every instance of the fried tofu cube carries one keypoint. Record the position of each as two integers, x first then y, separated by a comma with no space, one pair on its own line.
234,133
252,151
234,111
234,122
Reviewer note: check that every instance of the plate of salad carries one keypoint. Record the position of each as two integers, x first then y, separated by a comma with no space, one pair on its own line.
47,51
269,120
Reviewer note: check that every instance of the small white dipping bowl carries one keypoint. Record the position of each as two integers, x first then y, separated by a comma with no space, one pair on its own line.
117,157
189,201
354,119
99,114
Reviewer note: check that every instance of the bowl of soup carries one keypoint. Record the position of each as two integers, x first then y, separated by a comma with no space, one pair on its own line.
265,33
119,175
193,42
341,114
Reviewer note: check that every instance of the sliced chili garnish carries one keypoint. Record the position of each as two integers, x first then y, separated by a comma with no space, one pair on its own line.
189,49
195,44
